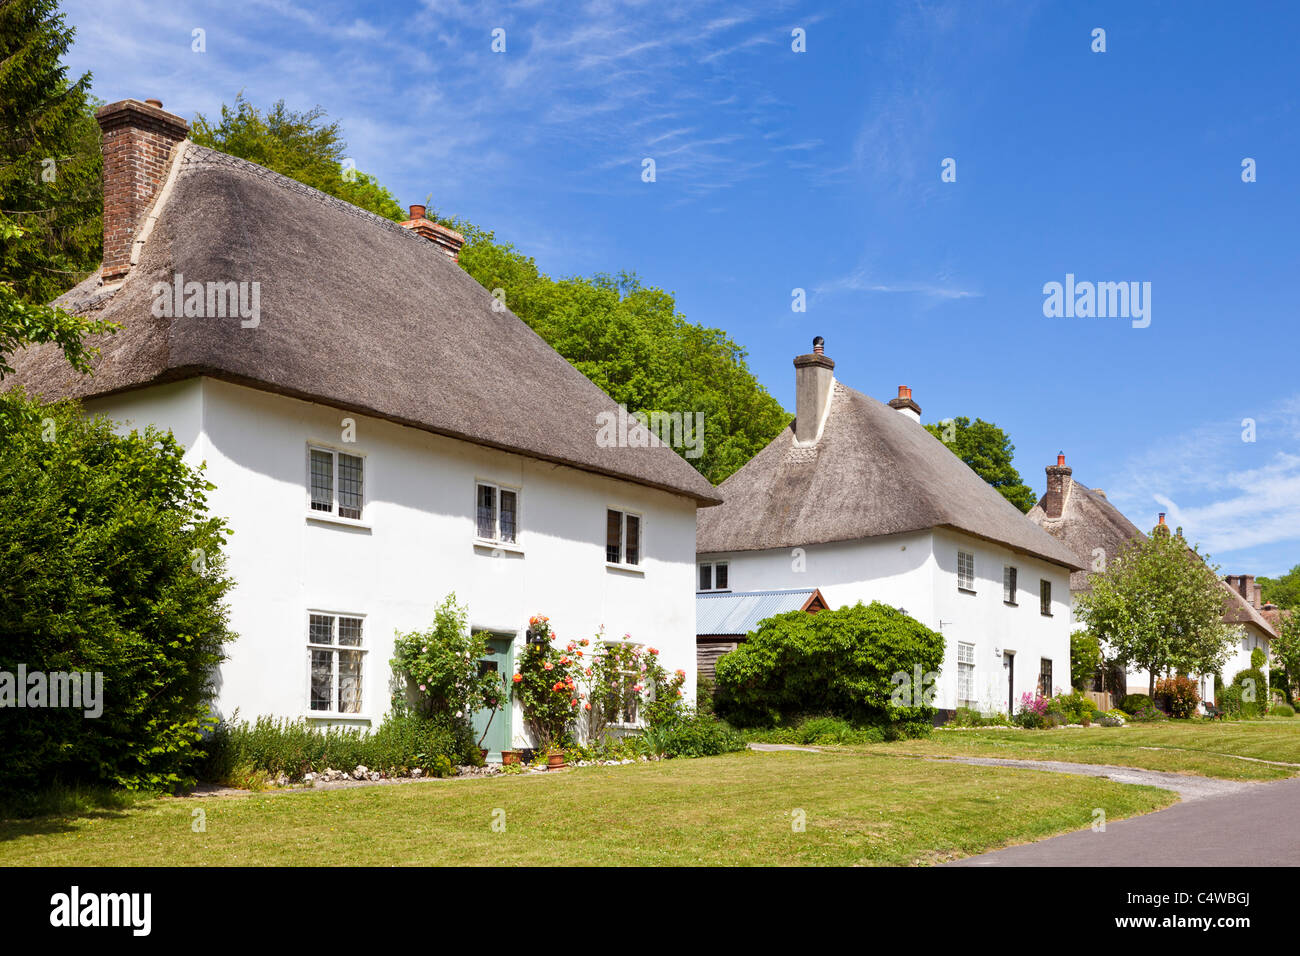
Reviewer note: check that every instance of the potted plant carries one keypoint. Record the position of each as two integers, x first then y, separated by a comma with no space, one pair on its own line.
509,757
555,759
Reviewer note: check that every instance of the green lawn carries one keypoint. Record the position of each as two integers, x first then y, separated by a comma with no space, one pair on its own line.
860,808
1199,747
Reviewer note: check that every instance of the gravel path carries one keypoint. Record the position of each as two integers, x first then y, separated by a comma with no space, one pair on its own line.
1185,785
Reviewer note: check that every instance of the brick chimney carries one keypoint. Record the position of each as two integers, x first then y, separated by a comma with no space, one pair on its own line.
1161,527
1058,486
1244,584
448,240
812,386
138,139
905,404
1259,596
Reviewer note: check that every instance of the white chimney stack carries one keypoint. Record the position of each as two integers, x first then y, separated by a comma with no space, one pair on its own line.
905,404
812,379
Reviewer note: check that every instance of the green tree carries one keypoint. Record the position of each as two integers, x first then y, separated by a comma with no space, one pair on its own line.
1159,607
1283,591
302,146
989,452
109,564
1085,658
1285,650
50,198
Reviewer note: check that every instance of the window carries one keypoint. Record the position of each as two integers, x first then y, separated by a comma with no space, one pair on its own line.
1009,584
497,517
965,675
336,483
965,571
1044,677
619,700
336,655
622,537
713,576
1045,598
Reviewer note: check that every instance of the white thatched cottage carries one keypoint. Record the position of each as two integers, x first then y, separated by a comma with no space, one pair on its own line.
380,431
857,499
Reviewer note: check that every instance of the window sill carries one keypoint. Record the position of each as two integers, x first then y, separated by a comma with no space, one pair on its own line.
323,518
1011,603
628,568
510,546
1046,614
715,591
330,715
962,590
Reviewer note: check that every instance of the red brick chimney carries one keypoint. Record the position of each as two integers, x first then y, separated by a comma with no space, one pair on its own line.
1058,485
905,404
138,139
448,240
1244,584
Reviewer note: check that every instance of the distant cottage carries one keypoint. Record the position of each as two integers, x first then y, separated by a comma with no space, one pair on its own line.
383,434
858,500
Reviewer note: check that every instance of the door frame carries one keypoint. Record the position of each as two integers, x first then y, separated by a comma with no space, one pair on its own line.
1010,658
503,717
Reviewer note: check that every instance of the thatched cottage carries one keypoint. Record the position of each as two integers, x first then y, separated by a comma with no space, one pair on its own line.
381,431
857,499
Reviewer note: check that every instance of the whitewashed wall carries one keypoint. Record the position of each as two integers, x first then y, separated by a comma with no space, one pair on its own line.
417,545
918,572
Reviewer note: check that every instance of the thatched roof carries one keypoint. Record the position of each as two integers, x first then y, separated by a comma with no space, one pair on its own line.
1088,521
1238,610
874,472
356,312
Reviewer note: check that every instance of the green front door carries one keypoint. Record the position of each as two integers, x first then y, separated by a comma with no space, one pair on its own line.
499,659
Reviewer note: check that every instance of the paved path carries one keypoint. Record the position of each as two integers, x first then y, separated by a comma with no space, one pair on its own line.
1251,824
774,748
1185,785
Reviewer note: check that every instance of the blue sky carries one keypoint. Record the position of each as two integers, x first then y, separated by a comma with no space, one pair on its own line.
820,170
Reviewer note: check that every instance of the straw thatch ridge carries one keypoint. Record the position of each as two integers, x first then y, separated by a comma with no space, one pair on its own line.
356,312
874,472
1088,521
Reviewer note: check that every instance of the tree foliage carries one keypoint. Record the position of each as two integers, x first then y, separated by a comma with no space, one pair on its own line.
842,663
989,453
51,203
1285,650
1283,591
1159,607
109,563
1085,658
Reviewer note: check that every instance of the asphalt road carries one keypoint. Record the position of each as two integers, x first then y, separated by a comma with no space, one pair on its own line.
1254,826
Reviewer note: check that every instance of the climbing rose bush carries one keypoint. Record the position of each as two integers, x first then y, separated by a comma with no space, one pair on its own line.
438,668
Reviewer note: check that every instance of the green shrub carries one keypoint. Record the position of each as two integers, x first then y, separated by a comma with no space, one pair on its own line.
109,565
704,688
1085,658
1071,708
241,753
1147,713
693,735
857,663
1132,703
1282,710
1258,659
969,717
1252,690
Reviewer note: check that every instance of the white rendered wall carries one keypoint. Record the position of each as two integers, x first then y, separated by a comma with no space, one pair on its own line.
416,546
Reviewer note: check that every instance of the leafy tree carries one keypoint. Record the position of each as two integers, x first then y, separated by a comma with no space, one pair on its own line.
109,563
50,196
1085,658
302,146
1158,606
1285,649
988,451
1283,591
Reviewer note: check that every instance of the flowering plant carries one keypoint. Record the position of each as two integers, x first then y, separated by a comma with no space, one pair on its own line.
439,668
546,686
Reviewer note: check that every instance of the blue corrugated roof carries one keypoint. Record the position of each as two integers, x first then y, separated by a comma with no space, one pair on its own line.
739,612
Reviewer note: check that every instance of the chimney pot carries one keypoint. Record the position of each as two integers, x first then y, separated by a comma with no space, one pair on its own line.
905,404
448,240
1162,517
819,346
417,212
1060,460
138,139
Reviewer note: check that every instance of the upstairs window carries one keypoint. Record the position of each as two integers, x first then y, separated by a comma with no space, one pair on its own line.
497,513
965,571
1009,584
622,537
337,483
713,576
1045,598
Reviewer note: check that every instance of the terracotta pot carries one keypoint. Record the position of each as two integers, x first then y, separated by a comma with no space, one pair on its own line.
554,759
509,756
483,752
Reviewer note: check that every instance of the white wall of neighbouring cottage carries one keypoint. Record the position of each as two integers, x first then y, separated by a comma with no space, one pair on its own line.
918,573
416,542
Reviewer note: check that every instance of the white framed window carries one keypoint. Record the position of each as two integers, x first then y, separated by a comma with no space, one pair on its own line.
965,571
335,483
496,512
1008,584
966,675
713,576
1045,598
336,656
622,537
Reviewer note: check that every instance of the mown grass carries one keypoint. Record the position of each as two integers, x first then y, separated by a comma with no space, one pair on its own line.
859,809
1205,748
